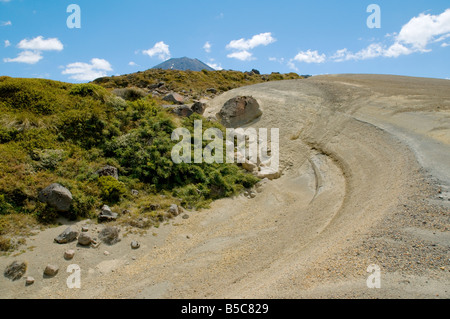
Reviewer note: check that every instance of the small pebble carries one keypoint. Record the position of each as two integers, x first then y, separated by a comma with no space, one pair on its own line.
185,216
69,254
51,270
29,281
135,244
85,229
106,253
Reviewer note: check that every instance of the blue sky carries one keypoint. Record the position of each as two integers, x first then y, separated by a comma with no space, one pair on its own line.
307,37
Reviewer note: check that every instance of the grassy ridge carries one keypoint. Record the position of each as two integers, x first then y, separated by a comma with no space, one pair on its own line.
195,83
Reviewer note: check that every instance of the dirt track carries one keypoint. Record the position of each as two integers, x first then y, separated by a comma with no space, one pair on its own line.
366,180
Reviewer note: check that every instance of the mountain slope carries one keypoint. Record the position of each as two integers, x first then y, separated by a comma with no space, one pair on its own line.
183,64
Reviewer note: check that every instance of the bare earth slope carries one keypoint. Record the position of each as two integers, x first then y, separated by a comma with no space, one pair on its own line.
366,180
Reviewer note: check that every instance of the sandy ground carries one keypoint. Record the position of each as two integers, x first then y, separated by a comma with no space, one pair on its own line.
366,180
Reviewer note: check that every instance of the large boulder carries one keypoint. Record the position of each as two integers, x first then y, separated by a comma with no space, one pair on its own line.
239,111
174,98
57,196
108,171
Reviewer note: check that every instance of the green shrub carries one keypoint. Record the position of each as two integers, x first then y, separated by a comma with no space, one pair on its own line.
92,90
111,189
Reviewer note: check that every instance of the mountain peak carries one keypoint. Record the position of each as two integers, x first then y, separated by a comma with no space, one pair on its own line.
183,64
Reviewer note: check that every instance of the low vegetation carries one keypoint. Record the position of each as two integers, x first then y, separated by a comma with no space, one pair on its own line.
54,132
196,84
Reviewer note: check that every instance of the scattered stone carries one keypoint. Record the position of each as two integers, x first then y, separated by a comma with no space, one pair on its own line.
212,90
84,229
15,271
106,253
269,173
185,216
67,236
106,215
84,239
57,196
174,210
135,244
249,166
134,192
69,254
108,171
174,98
110,235
239,111
29,281
51,270
252,194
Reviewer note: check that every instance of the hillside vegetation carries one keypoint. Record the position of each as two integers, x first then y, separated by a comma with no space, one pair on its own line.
54,132
196,84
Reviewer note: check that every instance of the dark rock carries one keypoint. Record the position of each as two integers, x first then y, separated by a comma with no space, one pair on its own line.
15,271
198,108
108,171
67,236
239,111
57,196
174,98
212,90
183,111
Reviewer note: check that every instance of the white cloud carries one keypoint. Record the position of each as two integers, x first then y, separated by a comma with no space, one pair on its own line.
241,55
257,40
160,49
41,44
5,23
207,47
80,71
292,66
131,63
415,36
422,30
444,45
242,46
310,57
28,57
7,43
215,66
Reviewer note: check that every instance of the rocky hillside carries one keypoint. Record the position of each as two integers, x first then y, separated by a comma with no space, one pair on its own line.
69,150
